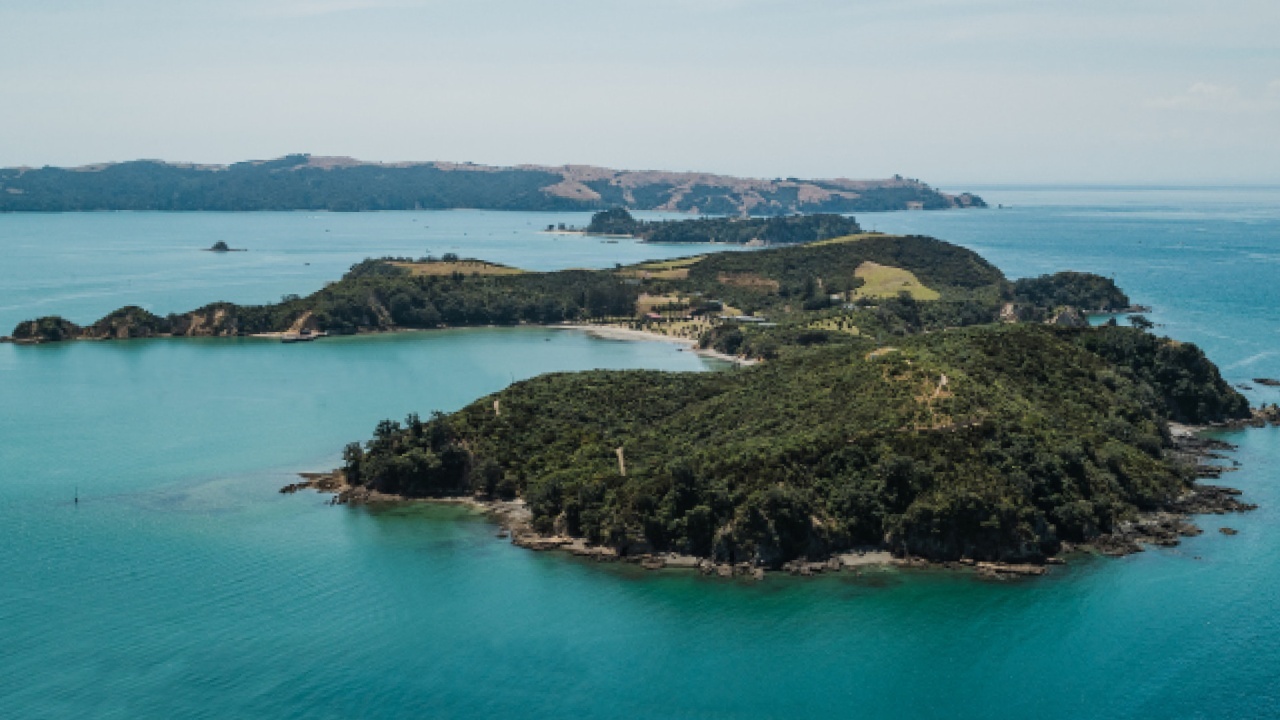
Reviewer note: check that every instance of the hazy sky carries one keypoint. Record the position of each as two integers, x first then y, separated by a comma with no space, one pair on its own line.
951,92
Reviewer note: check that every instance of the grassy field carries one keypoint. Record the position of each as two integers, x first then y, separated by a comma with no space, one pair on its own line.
749,280
646,302
675,269
881,281
849,238
466,267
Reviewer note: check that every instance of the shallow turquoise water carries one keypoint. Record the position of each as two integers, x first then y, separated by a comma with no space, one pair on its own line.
184,585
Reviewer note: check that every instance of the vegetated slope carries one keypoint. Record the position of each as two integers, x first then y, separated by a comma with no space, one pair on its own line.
1082,290
793,287
995,443
303,182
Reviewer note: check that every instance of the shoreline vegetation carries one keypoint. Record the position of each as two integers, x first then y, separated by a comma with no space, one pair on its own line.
901,396
306,182
746,231
742,304
1163,528
604,461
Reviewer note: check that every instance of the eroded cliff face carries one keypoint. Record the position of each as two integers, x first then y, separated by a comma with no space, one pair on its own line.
212,322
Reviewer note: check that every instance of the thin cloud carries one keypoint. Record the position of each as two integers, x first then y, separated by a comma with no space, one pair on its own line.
1200,96
1203,96
314,8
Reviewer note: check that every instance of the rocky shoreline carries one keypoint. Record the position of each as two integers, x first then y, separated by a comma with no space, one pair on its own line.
1162,528
1167,527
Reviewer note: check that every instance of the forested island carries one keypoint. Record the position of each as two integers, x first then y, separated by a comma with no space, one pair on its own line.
304,182
988,444
776,230
912,400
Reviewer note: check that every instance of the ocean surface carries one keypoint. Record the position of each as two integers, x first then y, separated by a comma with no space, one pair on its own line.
183,585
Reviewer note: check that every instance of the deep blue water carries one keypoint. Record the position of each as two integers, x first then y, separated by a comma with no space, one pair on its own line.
184,585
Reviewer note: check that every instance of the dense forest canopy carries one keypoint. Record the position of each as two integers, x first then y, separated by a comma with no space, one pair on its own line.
303,182
991,443
779,230
1083,290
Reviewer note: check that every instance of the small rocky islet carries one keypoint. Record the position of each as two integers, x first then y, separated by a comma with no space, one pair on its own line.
222,247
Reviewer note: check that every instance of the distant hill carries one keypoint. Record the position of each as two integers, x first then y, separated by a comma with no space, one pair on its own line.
304,182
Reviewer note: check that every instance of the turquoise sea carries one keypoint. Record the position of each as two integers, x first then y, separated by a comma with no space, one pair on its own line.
182,585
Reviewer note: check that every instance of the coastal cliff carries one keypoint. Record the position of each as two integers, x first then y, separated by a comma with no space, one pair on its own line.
132,322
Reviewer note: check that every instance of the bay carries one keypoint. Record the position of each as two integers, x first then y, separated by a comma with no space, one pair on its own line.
84,265
183,585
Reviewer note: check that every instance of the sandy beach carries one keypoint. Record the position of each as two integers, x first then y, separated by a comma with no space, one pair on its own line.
612,332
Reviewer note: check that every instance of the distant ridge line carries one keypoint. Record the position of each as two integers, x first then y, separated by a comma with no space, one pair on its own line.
306,182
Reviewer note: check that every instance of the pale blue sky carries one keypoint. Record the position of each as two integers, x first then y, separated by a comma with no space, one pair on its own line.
1122,91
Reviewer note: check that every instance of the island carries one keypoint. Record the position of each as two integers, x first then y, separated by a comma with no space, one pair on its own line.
751,231
306,182
903,400
222,247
